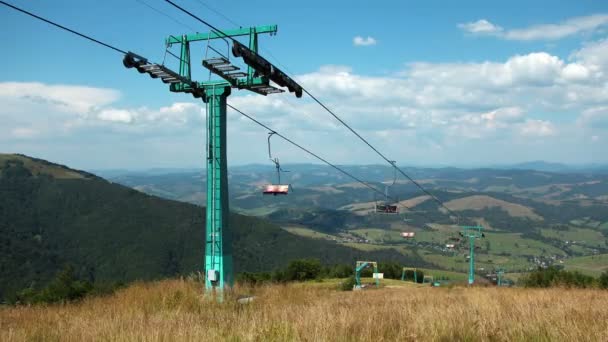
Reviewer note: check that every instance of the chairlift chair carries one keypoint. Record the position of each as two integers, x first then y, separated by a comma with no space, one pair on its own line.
386,208
275,189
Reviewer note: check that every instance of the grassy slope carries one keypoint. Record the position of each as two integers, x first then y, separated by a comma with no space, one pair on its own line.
498,242
586,236
39,166
478,202
177,310
593,265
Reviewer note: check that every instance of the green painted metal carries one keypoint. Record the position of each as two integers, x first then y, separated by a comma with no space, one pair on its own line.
253,46
405,269
218,245
499,274
360,266
471,260
186,39
271,29
472,232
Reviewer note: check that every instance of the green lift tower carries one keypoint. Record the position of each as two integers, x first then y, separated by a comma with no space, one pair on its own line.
472,232
499,274
256,78
360,266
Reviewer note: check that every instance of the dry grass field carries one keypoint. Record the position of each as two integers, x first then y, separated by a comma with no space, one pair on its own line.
176,310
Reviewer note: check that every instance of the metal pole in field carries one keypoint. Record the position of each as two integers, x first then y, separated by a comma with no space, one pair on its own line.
472,260
499,274
472,233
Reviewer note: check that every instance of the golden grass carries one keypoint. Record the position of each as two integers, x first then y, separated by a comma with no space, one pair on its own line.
176,310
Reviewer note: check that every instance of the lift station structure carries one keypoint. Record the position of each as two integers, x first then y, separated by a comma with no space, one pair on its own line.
256,78
360,266
404,273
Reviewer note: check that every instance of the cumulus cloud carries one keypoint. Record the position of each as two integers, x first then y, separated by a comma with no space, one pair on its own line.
537,128
594,57
566,28
427,110
116,115
30,111
361,41
67,98
594,118
481,26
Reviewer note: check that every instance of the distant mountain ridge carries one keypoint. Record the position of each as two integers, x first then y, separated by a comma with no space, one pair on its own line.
540,165
537,165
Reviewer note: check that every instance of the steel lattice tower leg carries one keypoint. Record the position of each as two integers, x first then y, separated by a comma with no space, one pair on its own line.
218,244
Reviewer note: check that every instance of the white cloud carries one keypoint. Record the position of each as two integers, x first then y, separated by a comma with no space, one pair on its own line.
594,56
557,31
481,26
429,111
568,27
361,41
504,114
64,98
575,72
179,112
594,118
538,128
23,132
33,110
117,115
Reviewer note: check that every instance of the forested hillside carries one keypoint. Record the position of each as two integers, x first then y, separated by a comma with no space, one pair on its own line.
51,216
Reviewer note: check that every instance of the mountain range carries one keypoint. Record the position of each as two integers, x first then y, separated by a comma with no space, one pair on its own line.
52,216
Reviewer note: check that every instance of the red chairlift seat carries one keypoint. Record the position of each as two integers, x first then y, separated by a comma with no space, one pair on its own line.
276,189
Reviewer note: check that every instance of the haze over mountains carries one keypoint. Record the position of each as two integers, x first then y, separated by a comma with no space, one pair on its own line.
533,217
538,165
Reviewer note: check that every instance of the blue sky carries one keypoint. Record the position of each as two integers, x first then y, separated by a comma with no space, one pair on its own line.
428,82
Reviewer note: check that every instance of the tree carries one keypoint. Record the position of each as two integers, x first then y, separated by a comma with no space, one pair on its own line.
64,287
303,269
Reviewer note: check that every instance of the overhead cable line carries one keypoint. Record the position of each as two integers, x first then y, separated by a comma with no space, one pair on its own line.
218,31
165,15
437,200
219,13
64,28
326,161
392,163
251,118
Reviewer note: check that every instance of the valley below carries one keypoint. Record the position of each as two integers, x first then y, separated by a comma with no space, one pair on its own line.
531,218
